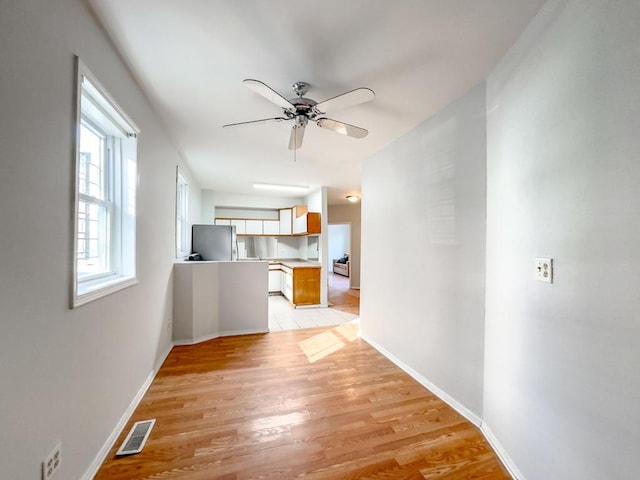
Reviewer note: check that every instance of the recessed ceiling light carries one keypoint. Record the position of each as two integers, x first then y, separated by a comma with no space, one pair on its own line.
285,188
352,198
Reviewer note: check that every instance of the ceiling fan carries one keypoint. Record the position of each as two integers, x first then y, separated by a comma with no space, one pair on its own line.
301,109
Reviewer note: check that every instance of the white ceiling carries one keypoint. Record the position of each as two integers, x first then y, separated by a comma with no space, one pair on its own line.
191,56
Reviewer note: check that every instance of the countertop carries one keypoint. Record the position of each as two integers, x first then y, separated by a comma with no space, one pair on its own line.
294,263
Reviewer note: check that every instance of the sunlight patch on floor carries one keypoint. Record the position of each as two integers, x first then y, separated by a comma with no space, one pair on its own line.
350,331
321,345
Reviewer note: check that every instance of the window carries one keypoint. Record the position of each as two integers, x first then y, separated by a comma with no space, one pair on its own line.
105,206
182,221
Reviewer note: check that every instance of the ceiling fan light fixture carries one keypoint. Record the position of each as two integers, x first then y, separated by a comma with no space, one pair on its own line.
283,188
353,198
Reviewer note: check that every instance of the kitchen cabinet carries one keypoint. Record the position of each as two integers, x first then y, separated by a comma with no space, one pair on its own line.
299,284
275,281
241,226
288,284
285,215
253,227
271,227
297,220
305,222
306,286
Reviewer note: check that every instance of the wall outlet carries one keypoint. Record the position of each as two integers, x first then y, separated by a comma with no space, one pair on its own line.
544,270
52,463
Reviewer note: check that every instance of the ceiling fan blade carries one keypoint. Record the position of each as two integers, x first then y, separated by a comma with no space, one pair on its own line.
344,100
267,92
297,134
264,120
342,128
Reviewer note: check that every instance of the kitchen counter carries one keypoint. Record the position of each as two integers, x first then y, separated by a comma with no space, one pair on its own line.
298,280
294,263
215,299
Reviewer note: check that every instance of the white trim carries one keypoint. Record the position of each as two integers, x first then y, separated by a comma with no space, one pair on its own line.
243,332
497,447
204,338
231,333
111,440
504,457
103,289
453,403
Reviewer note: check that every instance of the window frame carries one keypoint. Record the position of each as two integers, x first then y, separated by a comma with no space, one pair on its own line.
182,215
103,116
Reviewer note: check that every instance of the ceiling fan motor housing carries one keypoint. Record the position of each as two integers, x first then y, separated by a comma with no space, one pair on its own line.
303,106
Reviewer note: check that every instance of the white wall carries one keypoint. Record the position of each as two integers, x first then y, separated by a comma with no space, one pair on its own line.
562,388
339,241
69,375
350,214
423,253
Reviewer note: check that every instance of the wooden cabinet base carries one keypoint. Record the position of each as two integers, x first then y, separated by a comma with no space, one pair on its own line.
306,286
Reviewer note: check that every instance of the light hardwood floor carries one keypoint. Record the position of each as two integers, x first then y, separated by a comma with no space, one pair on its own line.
311,404
340,296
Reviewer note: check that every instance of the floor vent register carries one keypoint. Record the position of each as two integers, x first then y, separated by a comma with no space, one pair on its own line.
137,437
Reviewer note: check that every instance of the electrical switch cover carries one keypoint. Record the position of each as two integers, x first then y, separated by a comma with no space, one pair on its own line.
544,270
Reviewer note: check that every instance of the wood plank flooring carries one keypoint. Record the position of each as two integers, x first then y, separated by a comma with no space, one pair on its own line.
312,404
340,296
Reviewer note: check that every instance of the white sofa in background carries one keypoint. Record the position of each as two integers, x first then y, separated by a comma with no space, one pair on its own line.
341,268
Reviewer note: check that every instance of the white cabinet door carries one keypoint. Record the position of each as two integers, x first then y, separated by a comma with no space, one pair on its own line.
300,224
254,227
241,226
274,281
223,221
285,221
288,286
271,227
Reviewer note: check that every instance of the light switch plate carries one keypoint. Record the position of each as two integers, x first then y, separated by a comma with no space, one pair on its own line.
544,270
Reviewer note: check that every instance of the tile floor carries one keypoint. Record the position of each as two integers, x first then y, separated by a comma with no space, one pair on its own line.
282,316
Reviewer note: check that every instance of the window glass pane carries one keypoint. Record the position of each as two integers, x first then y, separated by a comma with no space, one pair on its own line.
93,239
92,168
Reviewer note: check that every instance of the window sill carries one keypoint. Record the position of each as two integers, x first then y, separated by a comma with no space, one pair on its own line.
88,292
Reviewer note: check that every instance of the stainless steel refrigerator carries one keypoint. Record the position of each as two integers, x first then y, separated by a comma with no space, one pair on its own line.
214,242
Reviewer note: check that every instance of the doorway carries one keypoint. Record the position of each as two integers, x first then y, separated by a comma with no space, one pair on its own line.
340,294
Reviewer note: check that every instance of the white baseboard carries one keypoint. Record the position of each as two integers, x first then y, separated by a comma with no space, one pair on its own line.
108,444
196,340
219,334
500,451
243,332
452,402
506,460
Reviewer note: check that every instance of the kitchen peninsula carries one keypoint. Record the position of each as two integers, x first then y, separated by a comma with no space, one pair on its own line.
216,299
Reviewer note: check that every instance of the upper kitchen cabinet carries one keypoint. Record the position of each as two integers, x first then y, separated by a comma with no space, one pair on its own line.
254,227
271,227
304,221
241,226
297,220
286,227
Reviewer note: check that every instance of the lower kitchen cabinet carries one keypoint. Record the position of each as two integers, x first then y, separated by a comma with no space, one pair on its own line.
287,289
306,286
275,283
301,286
